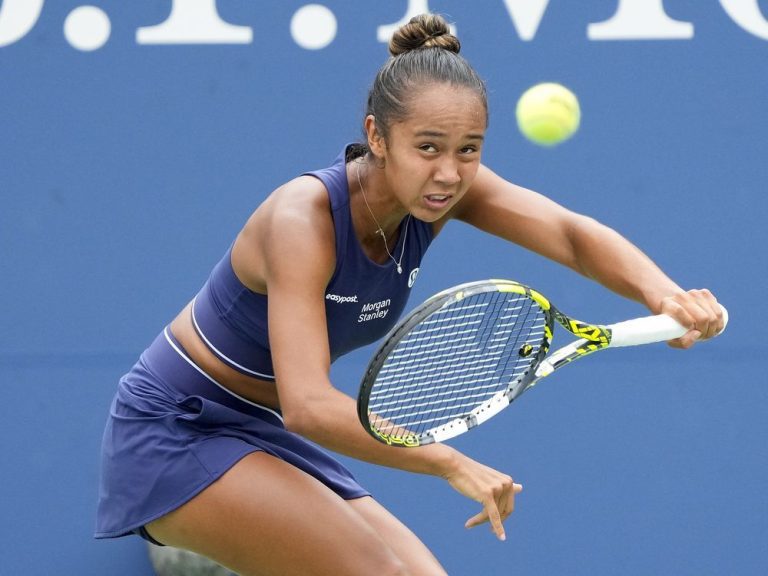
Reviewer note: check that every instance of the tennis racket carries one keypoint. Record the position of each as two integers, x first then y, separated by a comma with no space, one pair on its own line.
466,353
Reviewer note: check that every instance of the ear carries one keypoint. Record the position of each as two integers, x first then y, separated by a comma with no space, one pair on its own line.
376,143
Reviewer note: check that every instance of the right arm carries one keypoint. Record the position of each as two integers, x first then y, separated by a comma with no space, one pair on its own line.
295,241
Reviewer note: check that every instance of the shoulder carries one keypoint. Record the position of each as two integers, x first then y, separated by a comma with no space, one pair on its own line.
519,215
291,231
304,198
490,192
298,215
484,186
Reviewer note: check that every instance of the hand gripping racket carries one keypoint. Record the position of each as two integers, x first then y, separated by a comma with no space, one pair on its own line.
466,353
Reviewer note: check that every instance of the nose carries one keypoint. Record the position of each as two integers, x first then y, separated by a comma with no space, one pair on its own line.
447,172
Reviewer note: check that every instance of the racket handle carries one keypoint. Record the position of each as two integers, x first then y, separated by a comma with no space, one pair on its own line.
650,329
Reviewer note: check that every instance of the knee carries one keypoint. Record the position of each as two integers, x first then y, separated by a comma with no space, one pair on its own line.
389,565
393,568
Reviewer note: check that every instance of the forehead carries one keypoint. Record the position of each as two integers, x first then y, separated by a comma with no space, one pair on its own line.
445,107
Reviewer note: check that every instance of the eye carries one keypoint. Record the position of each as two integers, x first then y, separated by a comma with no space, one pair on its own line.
427,148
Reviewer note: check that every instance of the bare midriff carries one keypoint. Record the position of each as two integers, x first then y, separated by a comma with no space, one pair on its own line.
258,391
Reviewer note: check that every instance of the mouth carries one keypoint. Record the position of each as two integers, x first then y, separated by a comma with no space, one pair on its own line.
437,201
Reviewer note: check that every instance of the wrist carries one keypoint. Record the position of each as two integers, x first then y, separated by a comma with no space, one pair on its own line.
445,461
440,460
654,298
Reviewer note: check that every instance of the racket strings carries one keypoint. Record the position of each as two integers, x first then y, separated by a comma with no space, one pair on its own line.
455,360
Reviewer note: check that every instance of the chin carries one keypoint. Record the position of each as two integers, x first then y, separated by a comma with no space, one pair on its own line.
427,215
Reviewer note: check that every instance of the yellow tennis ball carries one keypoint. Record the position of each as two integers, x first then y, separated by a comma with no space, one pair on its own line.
548,113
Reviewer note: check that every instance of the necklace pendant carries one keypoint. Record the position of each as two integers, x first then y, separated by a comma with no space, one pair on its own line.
380,230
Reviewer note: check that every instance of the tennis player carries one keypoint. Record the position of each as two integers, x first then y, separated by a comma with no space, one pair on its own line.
207,446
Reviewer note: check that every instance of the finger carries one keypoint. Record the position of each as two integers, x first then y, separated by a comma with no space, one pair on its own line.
679,311
506,507
490,514
716,320
676,310
476,520
505,504
516,489
686,340
704,310
494,517
507,501
721,320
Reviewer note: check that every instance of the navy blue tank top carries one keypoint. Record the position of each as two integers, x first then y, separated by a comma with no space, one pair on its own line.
363,299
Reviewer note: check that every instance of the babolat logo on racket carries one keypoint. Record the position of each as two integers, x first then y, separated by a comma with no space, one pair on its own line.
410,440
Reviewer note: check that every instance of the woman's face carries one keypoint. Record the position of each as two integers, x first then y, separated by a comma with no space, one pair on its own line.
431,157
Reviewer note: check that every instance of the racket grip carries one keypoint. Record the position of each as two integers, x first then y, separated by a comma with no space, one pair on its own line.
650,329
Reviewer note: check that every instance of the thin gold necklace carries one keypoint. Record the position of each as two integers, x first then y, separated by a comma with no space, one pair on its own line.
380,230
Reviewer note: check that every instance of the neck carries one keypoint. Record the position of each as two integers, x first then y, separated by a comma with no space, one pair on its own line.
380,244
376,209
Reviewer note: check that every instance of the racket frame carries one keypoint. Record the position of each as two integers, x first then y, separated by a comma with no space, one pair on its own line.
591,338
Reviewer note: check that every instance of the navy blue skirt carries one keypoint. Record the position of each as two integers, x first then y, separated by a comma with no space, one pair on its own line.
172,431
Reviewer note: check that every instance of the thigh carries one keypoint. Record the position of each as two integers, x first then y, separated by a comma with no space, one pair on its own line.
265,517
406,545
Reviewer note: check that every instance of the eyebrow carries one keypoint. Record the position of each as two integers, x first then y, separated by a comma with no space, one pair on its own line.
438,134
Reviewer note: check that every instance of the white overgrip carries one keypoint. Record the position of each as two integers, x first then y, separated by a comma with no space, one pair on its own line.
649,329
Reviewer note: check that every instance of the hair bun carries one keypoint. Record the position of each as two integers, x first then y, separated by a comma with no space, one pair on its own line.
424,31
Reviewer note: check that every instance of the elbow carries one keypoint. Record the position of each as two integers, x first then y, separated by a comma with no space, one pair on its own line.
299,420
587,239
306,411
582,230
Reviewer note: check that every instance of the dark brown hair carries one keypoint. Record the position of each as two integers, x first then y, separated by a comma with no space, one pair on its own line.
424,51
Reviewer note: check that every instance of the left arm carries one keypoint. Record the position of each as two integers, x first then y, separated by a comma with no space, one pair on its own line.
535,222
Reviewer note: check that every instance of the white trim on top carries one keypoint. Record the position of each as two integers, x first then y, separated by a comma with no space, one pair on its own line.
220,354
228,391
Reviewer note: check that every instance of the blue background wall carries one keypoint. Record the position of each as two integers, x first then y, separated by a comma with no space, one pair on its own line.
126,170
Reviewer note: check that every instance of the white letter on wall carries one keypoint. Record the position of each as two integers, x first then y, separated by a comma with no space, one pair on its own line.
640,20
194,22
526,16
746,13
17,18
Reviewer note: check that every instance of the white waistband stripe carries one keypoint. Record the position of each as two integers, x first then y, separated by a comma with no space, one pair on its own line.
223,356
196,367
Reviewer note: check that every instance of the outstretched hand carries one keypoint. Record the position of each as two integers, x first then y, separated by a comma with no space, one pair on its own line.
494,490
